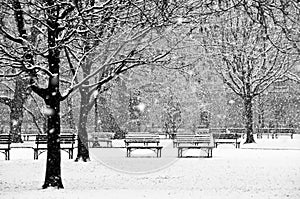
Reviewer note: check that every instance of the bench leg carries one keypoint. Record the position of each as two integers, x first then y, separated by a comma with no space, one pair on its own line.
179,152
6,153
128,152
70,153
35,154
210,153
158,153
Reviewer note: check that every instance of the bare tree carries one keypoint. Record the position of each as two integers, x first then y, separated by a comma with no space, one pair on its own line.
88,38
246,60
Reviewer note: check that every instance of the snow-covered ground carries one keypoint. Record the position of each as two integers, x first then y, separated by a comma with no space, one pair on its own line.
268,169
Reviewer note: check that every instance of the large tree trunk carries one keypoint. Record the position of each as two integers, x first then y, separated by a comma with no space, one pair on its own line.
83,148
53,168
52,98
249,119
16,107
20,95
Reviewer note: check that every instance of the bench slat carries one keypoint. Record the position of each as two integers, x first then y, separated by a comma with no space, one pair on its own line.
67,142
144,138
5,141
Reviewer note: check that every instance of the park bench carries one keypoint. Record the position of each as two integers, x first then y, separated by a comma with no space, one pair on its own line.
263,131
194,141
96,138
143,140
30,135
67,144
239,131
227,138
283,131
5,141
275,132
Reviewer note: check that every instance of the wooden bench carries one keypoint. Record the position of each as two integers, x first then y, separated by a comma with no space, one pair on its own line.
30,134
5,141
96,138
194,141
67,143
239,131
283,131
227,138
263,131
135,141
275,132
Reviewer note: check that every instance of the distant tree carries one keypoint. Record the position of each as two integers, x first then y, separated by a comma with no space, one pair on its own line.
20,91
245,58
172,115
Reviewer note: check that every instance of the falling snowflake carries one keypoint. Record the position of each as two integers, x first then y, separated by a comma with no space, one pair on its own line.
141,107
54,80
95,94
51,130
48,111
180,20
14,122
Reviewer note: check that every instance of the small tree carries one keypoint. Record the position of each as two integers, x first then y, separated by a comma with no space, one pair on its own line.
172,115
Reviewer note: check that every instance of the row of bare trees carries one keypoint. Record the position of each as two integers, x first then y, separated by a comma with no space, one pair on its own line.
84,45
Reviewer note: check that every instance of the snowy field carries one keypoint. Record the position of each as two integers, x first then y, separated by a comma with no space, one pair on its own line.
268,169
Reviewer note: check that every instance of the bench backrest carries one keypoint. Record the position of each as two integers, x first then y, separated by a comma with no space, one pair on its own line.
202,131
32,131
276,130
108,135
64,139
5,139
217,130
141,137
226,136
194,138
287,130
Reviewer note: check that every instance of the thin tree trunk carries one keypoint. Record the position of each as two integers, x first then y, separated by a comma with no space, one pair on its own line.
108,122
70,116
83,148
16,109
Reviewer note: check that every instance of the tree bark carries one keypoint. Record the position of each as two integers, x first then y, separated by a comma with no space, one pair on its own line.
249,119
83,148
53,168
16,109
52,99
